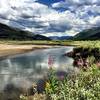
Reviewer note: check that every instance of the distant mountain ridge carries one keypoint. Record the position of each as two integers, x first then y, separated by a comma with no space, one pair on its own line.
60,37
7,32
89,34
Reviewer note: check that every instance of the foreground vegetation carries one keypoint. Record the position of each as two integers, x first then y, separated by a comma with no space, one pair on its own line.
91,44
80,86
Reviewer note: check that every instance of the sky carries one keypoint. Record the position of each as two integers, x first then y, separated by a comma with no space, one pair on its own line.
51,17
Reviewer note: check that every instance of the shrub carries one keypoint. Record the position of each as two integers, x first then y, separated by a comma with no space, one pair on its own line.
83,86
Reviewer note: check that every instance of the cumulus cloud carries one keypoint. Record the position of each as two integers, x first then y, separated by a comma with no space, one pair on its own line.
40,19
66,3
33,16
26,13
86,11
95,20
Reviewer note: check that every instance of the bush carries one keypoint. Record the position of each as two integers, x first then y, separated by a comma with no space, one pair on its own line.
83,86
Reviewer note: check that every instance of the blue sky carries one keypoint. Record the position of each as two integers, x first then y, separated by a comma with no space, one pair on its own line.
48,2
51,17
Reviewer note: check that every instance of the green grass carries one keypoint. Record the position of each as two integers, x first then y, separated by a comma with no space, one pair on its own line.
90,44
83,86
34,42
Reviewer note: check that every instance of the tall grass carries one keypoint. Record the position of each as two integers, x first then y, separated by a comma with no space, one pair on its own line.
83,86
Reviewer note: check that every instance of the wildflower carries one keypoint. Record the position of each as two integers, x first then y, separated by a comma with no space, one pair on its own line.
50,61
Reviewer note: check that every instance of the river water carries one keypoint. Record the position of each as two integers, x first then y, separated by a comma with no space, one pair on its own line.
29,67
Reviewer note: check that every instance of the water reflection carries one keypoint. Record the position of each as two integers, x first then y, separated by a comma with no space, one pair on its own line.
29,67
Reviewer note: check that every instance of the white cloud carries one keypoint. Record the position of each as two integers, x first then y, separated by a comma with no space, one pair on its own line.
95,20
61,4
66,3
41,19
34,16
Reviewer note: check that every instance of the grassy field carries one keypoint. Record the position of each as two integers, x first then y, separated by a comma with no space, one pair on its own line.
90,44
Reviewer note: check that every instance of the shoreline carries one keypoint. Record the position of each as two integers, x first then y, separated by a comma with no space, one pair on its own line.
85,57
7,50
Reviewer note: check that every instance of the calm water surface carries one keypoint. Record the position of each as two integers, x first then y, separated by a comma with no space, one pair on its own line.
29,67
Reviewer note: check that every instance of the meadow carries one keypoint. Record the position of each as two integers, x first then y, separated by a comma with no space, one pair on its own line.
87,43
82,86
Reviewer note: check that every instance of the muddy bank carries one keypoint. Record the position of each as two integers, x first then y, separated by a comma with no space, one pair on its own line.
84,57
7,50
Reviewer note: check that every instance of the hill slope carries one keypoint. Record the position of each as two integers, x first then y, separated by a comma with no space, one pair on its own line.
7,32
60,37
89,34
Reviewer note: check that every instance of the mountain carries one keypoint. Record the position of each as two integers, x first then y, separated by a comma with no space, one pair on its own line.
40,37
89,34
60,37
7,32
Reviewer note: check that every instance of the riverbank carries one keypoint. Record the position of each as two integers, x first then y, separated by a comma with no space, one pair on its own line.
85,57
7,50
